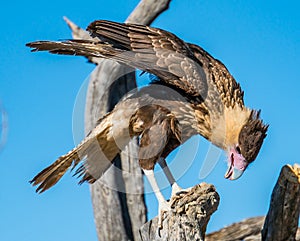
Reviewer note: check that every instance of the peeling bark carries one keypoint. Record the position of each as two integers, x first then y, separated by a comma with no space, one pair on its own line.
188,217
247,230
283,215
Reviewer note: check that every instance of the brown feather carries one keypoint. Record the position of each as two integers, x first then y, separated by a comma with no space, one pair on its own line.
90,147
252,135
211,101
51,175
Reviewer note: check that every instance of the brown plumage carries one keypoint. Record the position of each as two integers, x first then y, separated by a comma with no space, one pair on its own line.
195,94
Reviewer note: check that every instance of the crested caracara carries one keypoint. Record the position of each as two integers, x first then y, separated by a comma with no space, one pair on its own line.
194,94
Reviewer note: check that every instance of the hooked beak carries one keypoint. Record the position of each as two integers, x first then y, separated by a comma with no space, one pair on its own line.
236,165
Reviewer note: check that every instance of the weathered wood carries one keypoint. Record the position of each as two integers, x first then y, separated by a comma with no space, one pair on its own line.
247,230
147,11
121,211
282,219
281,223
188,217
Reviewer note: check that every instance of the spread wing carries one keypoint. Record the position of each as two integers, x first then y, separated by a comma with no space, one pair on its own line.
150,49
156,51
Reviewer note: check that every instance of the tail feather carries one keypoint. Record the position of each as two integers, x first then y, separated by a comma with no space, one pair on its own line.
53,173
144,59
96,153
87,48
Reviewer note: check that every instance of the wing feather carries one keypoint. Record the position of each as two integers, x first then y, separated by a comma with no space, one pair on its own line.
150,49
160,52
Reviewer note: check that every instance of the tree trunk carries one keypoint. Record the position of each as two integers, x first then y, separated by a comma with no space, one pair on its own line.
283,215
188,217
118,200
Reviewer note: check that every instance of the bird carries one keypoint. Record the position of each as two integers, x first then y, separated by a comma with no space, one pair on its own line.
193,94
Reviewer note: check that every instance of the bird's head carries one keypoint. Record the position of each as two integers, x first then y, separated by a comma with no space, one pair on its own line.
244,152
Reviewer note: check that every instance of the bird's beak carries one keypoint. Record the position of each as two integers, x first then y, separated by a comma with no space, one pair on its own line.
236,165
233,173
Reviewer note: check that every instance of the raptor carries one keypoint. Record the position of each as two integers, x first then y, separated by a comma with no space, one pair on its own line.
193,94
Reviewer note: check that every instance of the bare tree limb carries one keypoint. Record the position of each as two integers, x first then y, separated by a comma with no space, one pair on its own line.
147,11
283,215
188,218
247,230
118,214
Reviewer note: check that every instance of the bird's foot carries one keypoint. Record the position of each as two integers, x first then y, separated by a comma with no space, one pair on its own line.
163,208
176,190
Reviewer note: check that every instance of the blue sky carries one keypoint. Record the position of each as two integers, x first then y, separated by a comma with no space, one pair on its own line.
257,40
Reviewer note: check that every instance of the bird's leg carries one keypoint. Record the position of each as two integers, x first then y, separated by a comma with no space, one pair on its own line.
176,189
163,205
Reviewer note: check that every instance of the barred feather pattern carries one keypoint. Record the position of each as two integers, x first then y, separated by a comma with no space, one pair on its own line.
212,104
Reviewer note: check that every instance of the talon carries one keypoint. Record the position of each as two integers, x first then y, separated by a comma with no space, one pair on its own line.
164,207
183,191
176,190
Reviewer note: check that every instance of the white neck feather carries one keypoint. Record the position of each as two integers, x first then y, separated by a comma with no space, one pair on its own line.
225,130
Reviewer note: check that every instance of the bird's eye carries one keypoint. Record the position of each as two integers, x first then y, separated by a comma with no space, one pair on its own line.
238,149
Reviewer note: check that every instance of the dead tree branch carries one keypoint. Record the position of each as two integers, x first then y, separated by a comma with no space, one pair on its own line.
147,11
281,222
188,218
283,215
247,230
